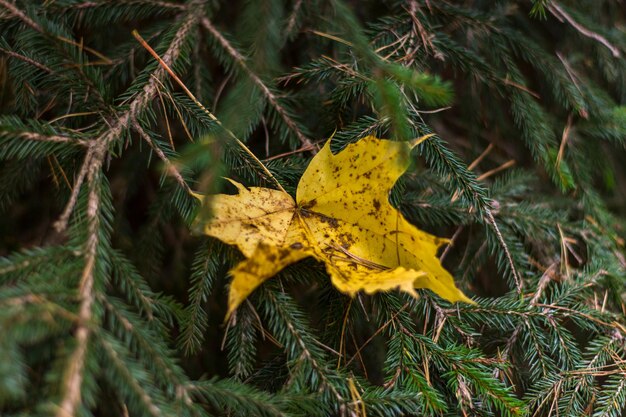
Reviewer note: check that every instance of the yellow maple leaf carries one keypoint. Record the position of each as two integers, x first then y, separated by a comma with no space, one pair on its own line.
342,217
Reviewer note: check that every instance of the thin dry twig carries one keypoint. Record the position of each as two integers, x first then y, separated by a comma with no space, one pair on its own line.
480,157
564,139
376,333
497,169
92,4
519,86
299,150
419,30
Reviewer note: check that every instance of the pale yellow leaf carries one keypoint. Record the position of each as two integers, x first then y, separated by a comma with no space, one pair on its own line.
265,262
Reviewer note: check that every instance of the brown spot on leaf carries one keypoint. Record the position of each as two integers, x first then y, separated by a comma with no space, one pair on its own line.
309,204
334,223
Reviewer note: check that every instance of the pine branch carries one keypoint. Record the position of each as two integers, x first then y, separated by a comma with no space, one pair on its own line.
97,152
296,338
27,60
92,164
74,375
559,13
20,15
54,138
169,166
121,367
240,60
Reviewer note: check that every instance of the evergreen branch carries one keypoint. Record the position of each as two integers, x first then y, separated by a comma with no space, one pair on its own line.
61,224
170,167
93,161
240,399
242,339
131,283
166,67
27,60
157,358
20,15
543,282
93,4
53,138
119,365
559,13
74,375
446,163
204,269
124,120
293,17
35,26
491,220
611,402
281,311
269,95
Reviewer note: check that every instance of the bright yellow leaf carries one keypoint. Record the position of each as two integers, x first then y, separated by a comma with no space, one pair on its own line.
342,217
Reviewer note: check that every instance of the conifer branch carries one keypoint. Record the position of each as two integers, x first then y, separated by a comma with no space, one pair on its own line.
53,138
92,163
269,95
93,4
547,276
27,60
293,17
166,67
20,15
559,13
306,353
169,166
61,224
137,106
121,367
74,375
491,220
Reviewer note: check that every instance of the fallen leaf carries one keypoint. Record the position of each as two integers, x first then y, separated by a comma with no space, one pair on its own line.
342,217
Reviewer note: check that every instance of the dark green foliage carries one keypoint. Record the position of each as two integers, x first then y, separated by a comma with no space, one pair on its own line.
111,303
